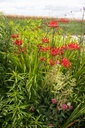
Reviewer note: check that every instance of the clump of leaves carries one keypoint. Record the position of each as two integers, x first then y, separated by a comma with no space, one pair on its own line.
60,84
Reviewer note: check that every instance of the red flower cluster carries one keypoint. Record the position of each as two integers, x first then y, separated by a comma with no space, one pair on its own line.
54,51
44,49
58,50
50,125
53,62
15,35
18,42
54,101
45,40
63,20
73,46
66,63
53,24
66,107
42,58
56,54
62,49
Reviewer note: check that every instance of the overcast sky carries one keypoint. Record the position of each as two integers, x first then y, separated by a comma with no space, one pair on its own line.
55,8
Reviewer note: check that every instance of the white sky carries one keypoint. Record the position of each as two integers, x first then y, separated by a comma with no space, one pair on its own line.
57,8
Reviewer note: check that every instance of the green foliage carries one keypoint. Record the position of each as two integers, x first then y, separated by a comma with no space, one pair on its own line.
60,84
31,78
78,111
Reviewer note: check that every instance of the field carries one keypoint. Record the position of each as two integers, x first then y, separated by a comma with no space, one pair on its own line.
42,72
75,26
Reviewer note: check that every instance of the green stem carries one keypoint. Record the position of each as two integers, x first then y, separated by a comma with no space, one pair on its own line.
53,33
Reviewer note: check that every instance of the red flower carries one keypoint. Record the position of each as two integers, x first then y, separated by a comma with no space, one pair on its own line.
73,46
44,49
64,106
54,101
63,20
53,24
45,40
51,62
66,63
62,49
54,51
57,62
18,42
51,125
42,58
70,107
15,35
